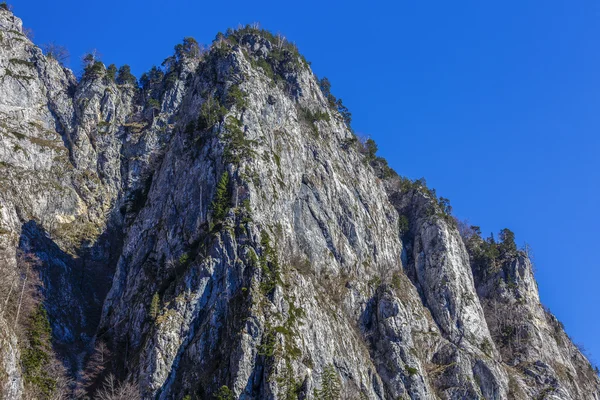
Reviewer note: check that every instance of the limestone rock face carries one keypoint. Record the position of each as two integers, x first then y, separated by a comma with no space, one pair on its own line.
220,230
530,339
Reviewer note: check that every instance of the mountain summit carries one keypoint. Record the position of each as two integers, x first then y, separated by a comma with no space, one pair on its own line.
217,231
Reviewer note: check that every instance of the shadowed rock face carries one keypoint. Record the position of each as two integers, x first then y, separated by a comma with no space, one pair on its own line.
221,227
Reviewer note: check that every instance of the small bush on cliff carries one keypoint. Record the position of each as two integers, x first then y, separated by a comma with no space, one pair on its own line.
269,265
224,393
154,306
268,345
486,347
403,225
211,113
266,67
236,97
184,259
153,105
311,118
238,145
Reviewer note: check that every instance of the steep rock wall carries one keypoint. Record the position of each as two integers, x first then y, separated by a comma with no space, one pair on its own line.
222,227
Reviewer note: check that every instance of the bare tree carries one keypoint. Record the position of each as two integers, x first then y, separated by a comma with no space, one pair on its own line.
94,368
90,58
112,389
280,40
466,230
62,390
20,300
26,299
9,284
20,304
29,33
56,51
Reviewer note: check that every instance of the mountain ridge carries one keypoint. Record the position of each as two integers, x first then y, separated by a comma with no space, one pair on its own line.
220,231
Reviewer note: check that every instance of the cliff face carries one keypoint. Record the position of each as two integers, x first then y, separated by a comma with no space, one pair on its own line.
221,232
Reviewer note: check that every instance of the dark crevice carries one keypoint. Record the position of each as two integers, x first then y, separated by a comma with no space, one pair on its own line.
73,288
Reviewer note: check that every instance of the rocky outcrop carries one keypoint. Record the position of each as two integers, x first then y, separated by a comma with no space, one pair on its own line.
532,341
221,230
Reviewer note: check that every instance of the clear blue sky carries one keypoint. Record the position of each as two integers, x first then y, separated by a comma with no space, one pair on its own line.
496,104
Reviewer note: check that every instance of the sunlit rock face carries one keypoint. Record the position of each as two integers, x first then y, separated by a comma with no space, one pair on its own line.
221,231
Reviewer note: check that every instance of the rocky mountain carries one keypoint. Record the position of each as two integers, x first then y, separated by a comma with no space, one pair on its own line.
218,231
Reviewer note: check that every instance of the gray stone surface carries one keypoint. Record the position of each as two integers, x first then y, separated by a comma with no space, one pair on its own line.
117,202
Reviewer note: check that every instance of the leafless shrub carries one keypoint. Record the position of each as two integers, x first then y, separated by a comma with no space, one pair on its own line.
62,391
90,58
300,262
583,350
8,287
56,51
281,40
29,33
466,230
335,287
362,142
95,368
5,6
385,272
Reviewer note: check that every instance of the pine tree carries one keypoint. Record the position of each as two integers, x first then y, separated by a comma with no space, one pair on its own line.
370,149
343,110
224,393
330,385
111,72
445,206
154,306
125,76
508,246
221,201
